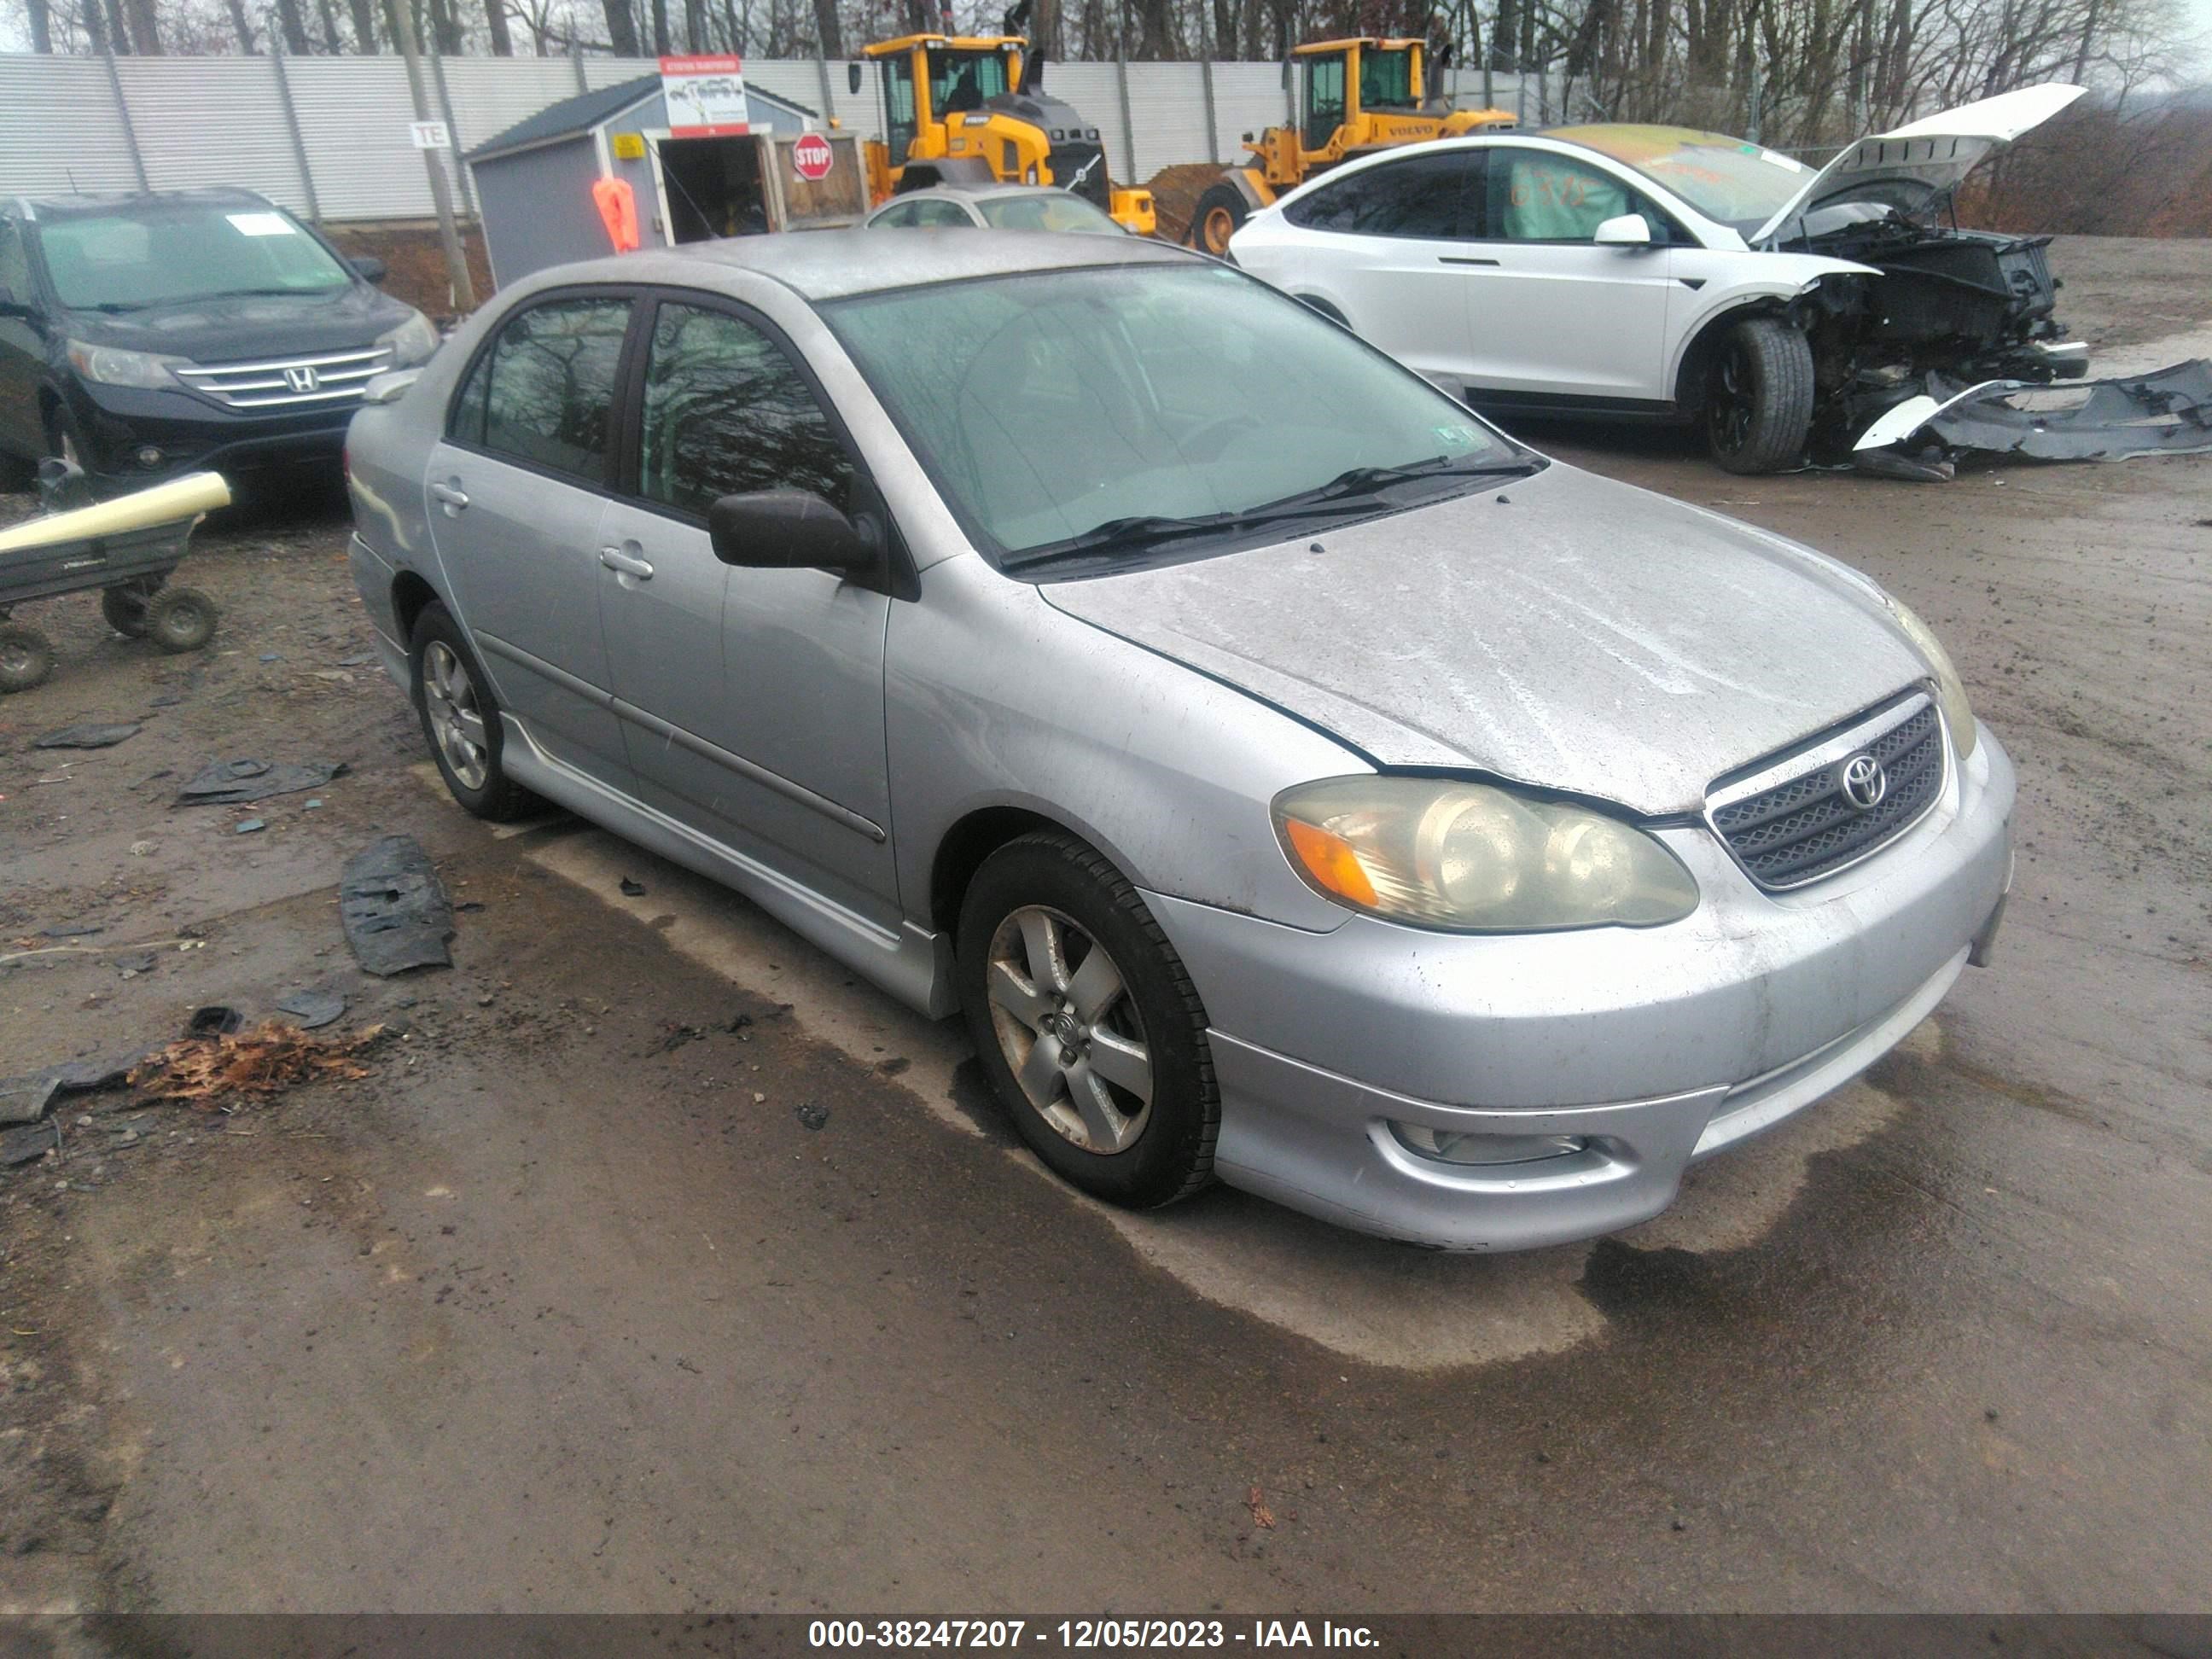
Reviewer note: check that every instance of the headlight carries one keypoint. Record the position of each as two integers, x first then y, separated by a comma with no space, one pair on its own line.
1950,689
1467,858
111,367
411,342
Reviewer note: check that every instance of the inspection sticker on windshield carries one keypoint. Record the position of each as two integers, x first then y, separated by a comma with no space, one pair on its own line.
1456,437
261,224
1775,158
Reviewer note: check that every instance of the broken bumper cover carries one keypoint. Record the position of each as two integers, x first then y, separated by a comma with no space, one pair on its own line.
2167,413
1340,1056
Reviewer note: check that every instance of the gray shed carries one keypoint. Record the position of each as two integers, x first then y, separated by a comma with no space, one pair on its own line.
533,182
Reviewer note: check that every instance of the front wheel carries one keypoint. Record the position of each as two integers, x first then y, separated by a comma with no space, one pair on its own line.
1220,213
1086,1023
1759,396
180,619
26,657
461,720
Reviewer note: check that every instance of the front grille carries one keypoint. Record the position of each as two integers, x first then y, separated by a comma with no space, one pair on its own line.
1806,826
286,382
1081,167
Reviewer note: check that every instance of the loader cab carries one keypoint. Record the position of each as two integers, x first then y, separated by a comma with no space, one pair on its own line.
926,77
1347,80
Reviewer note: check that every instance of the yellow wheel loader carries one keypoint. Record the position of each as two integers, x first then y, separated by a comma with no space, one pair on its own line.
969,109
1358,96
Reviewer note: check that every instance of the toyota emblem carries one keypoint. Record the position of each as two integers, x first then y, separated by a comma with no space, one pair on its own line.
302,379
1864,782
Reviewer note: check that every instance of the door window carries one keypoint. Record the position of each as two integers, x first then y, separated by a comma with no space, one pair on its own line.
1438,196
1536,196
549,387
726,412
941,212
1324,99
14,265
895,218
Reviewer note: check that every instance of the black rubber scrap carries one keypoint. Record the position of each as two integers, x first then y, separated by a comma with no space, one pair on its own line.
313,1006
86,736
228,783
394,908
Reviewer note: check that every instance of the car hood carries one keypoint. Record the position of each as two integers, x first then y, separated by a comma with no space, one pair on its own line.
1908,168
237,327
1564,631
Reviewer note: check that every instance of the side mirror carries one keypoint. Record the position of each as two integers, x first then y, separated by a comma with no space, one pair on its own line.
385,388
787,530
852,76
369,268
1629,230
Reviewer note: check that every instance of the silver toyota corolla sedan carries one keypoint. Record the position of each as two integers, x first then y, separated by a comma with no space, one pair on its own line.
1290,779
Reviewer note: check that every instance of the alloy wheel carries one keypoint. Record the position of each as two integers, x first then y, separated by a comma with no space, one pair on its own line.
449,696
1728,401
1069,1031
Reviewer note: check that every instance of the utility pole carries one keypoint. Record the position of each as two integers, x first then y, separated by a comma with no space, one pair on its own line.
457,263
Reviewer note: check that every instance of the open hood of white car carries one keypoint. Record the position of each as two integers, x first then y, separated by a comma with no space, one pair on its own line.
1907,167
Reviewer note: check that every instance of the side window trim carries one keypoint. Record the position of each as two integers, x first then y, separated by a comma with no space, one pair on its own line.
479,360
629,418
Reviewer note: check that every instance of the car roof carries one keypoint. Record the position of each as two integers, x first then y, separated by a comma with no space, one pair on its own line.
95,202
830,265
964,193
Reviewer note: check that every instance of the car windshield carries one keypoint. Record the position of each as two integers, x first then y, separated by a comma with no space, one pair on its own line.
152,254
1058,211
1091,411
1727,179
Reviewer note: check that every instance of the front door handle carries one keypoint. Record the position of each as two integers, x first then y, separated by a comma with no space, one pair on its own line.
450,494
1456,259
615,559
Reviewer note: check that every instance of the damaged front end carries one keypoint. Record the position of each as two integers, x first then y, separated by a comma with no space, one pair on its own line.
2166,413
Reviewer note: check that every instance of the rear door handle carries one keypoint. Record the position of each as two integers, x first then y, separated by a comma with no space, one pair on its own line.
615,559
1455,259
452,497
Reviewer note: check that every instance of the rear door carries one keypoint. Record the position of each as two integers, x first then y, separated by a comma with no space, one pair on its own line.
516,491
1387,242
752,700
1550,313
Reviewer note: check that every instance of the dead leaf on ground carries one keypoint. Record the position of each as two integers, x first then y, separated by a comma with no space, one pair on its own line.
270,1058
1261,1515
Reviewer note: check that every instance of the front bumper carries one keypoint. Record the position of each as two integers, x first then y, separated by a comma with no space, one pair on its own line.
1653,1046
193,435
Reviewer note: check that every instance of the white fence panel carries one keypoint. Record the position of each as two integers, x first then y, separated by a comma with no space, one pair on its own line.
491,94
353,117
170,99
1247,98
59,129
1095,90
613,71
1167,107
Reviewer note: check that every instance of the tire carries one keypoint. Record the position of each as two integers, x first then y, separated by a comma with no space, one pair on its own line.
1220,214
179,619
1759,396
26,657
124,607
460,719
1032,924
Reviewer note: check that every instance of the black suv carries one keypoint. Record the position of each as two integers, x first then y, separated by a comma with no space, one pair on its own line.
146,335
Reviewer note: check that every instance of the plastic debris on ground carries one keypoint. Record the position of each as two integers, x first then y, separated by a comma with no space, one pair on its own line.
85,736
233,782
394,909
313,1006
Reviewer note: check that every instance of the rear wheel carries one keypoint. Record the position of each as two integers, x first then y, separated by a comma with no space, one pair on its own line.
124,607
26,657
1759,396
461,720
1086,1023
1220,213
180,619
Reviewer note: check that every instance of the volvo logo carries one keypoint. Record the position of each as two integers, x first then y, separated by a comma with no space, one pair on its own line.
302,377
1864,782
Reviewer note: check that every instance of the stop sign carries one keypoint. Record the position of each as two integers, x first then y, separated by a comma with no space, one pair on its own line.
810,156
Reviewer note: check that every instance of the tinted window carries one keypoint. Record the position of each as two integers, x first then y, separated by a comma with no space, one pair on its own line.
552,385
726,412
1439,195
1538,196
465,424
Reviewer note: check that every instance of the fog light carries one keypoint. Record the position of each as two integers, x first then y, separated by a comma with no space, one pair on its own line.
149,456
1450,1146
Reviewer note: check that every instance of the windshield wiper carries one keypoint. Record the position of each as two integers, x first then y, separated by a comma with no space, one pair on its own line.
1366,480
1153,530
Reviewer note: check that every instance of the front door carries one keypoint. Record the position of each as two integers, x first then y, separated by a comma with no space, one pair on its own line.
23,349
1551,313
515,495
753,701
